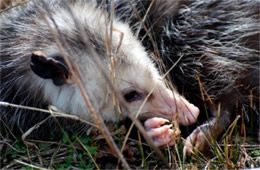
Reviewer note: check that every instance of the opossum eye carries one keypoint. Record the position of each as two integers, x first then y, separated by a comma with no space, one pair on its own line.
50,67
132,96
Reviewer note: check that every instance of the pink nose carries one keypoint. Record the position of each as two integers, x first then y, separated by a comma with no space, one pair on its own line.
176,104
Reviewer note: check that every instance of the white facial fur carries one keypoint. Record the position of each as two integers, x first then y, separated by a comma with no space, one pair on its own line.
134,66
134,70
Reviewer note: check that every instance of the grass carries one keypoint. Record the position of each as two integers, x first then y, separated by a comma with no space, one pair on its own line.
91,151
66,153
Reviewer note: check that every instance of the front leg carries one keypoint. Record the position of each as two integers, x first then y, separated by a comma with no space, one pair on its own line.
202,136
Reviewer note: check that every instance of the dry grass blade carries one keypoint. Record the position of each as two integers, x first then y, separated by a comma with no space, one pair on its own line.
75,73
29,131
12,6
142,105
53,113
86,149
30,165
122,103
131,115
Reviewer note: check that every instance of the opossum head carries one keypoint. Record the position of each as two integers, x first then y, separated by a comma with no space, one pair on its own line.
133,74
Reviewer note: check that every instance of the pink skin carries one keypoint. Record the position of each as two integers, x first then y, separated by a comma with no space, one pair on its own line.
161,135
164,106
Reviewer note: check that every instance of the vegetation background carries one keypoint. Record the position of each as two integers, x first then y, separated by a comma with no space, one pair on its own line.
90,150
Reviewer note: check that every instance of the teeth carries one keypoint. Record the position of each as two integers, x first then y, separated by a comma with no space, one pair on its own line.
155,122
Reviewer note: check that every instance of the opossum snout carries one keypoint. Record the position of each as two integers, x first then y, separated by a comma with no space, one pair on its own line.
185,112
171,106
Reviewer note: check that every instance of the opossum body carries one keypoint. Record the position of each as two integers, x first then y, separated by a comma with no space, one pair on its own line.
34,72
217,43
215,47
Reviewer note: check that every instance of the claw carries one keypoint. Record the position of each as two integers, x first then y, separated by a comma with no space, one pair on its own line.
165,139
159,131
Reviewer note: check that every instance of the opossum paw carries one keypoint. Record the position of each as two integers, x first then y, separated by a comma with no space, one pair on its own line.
196,142
161,135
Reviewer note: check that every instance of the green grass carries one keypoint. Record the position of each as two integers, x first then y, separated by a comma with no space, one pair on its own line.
69,152
73,152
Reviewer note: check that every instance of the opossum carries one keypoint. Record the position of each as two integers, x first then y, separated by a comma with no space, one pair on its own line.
215,46
36,37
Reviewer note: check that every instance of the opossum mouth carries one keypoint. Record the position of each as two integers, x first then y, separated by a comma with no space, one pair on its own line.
183,118
147,115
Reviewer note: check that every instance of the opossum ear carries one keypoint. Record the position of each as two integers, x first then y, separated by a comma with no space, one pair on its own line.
53,68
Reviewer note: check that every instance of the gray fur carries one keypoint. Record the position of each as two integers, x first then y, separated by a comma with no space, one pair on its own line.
23,31
218,41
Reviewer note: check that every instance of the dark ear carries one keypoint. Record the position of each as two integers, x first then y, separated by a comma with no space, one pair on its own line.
53,68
